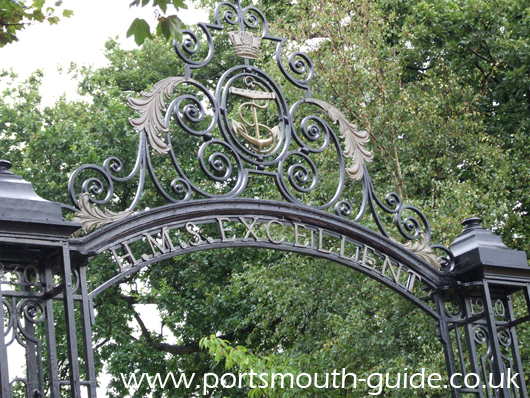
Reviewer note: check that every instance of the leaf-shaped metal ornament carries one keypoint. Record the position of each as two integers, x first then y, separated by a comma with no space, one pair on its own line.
354,139
151,106
92,217
421,248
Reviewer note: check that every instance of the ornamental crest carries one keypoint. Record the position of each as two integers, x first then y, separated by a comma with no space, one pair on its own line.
246,44
244,135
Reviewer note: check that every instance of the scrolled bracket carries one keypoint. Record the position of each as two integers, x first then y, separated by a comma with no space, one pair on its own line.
421,248
151,107
354,139
447,261
92,217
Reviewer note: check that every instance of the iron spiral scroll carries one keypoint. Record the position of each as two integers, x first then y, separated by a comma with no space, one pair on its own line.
233,145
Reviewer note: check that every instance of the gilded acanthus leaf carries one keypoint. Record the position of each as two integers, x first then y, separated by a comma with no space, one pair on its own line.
421,248
92,217
354,139
151,107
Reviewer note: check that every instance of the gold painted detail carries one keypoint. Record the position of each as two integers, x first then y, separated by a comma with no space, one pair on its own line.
257,143
420,247
246,44
252,94
151,106
92,217
354,139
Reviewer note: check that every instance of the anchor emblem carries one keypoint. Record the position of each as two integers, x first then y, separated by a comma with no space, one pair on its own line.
260,145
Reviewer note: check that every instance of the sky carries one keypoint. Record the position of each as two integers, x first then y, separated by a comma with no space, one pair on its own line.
79,39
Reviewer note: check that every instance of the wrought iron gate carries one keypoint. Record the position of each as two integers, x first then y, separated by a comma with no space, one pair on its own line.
242,129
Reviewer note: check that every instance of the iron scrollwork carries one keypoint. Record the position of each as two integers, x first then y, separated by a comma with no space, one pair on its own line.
237,143
19,326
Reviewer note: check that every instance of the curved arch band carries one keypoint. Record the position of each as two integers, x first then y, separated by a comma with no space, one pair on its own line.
213,224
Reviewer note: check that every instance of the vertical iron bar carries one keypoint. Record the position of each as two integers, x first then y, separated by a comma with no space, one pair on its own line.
460,351
515,352
32,372
5,386
51,343
470,339
496,359
86,315
445,338
527,297
73,357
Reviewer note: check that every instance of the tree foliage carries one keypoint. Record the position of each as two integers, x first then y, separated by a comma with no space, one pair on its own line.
169,26
449,129
15,15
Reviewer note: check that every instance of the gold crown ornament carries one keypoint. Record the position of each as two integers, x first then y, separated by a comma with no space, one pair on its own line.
245,44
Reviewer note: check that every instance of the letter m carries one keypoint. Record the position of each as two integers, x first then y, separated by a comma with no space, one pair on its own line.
282,377
163,246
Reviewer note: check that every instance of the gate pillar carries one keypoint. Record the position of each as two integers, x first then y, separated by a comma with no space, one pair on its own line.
477,324
38,273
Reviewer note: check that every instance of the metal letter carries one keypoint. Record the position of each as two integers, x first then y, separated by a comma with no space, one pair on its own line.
268,231
367,261
190,228
391,267
119,259
342,248
162,248
412,278
296,236
320,230
223,236
249,228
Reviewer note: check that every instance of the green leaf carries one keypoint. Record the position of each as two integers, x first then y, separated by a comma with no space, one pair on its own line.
67,13
37,15
140,29
162,4
58,3
179,4
170,27
38,4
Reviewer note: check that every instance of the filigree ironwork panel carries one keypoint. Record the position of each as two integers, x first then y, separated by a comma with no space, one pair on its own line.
235,142
474,349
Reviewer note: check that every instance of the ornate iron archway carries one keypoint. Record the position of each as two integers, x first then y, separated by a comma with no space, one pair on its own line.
243,129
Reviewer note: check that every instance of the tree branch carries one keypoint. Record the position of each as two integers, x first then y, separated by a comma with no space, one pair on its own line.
418,69
174,349
481,56
97,347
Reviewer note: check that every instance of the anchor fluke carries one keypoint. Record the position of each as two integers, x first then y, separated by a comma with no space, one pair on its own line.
260,145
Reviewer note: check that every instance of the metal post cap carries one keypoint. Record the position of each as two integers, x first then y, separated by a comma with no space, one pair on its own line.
472,222
23,211
477,246
5,165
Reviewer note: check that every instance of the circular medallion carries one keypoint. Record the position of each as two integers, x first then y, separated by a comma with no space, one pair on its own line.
255,115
